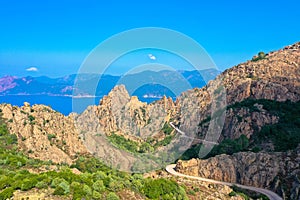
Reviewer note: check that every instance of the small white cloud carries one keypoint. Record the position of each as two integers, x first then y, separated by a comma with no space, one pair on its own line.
32,69
151,56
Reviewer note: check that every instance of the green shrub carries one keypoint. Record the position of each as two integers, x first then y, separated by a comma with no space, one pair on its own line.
59,191
3,130
28,184
87,190
51,136
31,118
154,189
75,185
99,175
56,181
41,185
145,147
96,195
232,194
256,149
191,192
229,146
65,186
192,152
11,139
115,185
77,190
112,196
167,140
167,129
5,182
246,197
123,143
7,193
99,186
261,55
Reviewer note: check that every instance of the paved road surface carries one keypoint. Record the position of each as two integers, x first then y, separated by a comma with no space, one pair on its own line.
268,193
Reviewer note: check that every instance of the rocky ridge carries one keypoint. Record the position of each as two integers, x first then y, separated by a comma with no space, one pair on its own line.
275,77
44,133
124,115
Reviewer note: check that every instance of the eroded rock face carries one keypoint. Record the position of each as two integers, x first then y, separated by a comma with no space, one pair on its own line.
276,77
43,133
246,168
242,121
125,115
274,171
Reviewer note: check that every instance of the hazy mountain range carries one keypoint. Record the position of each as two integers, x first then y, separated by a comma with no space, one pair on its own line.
151,84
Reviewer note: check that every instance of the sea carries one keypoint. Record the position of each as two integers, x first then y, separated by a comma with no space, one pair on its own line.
62,104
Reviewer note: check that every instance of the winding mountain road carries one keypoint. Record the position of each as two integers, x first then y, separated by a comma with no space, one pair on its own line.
171,169
271,195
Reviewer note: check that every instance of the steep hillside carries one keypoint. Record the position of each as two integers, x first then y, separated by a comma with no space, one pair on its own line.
22,177
122,128
44,133
275,77
262,114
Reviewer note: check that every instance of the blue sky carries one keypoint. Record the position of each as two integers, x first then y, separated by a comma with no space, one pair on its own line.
56,36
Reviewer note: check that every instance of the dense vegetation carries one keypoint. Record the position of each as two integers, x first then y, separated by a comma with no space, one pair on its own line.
143,147
227,146
123,143
167,129
96,181
230,147
285,135
163,189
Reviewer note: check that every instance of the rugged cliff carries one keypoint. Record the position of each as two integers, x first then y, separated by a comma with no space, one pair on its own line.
276,171
262,97
44,133
276,76
119,113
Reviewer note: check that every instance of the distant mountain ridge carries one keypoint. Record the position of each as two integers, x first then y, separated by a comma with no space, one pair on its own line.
64,86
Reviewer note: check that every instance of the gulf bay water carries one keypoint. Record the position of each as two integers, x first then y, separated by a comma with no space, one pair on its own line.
62,104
